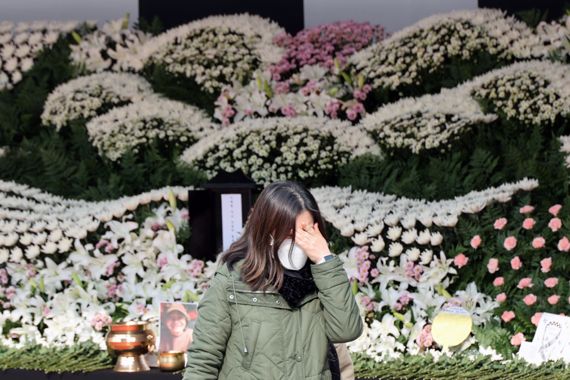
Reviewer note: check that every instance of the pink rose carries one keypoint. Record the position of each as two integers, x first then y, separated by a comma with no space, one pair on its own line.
555,224
555,209
528,223
536,318
529,299
525,283
508,316
564,244
538,242
546,264
493,265
500,223
526,209
476,241
553,299
499,281
460,260
510,243
517,339
551,282
502,297
516,263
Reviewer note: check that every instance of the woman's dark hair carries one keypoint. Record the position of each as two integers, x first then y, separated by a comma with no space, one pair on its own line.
273,215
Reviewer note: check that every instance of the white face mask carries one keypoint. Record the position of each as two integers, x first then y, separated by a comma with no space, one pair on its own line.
298,256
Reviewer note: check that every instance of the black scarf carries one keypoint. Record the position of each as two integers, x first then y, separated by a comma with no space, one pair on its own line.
296,285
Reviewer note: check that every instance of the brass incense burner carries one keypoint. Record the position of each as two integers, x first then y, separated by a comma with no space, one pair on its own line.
129,342
171,360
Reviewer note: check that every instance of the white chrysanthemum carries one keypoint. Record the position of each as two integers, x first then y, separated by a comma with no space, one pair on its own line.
92,95
345,208
534,92
405,57
20,45
280,148
127,128
427,122
31,218
217,50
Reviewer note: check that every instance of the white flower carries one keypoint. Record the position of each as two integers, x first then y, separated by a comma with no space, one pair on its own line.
413,253
127,128
424,237
395,249
85,96
394,233
280,148
217,50
4,255
409,236
426,256
436,238
360,239
377,245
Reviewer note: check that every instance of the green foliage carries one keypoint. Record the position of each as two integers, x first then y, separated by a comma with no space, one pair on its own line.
494,336
489,156
452,72
179,88
532,17
84,357
66,164
153,27
457,367
21,107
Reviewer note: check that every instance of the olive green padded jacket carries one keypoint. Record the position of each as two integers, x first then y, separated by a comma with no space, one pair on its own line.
242,334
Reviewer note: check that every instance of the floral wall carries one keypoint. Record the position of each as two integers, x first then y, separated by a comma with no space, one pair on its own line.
438,155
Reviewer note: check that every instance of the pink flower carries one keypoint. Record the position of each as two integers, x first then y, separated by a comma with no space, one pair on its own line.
546,264
516,263
499,281
529,299
553,299
517,339
501,297
508,316
555,209
493,265
525,283
374,273
460,260
551,282
476,241
510,243
536,318
538,242
564,244
526,209
500,223
528,223
555,224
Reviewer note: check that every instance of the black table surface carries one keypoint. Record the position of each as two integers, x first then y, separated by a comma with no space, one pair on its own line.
153,374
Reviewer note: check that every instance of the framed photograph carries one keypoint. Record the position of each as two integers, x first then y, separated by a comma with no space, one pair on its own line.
177,320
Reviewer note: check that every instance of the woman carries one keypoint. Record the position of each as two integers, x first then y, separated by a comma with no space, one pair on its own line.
260,320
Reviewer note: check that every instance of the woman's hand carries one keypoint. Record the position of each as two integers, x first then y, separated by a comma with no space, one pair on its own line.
312,242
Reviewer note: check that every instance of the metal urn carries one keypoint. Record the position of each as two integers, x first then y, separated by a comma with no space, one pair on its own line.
129,341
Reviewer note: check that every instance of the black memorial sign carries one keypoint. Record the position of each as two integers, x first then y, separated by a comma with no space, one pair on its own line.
289,14
206,209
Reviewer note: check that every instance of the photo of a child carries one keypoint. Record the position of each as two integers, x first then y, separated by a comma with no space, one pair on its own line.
176,325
